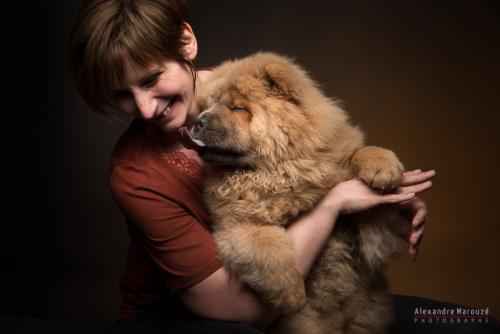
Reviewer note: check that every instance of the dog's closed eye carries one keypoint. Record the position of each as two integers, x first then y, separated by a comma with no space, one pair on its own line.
239,110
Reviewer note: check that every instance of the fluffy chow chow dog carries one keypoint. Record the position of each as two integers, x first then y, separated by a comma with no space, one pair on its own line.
278,145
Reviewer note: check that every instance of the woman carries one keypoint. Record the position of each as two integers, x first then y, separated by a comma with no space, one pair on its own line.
136,57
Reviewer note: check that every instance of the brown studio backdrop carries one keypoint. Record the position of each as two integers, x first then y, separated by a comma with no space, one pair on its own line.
420,78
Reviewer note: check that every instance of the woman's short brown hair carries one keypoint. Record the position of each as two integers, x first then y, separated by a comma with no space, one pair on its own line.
105,32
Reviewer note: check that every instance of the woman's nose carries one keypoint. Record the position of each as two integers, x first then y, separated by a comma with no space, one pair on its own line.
146,105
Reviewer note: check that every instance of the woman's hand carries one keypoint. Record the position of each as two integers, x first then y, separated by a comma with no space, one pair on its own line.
415,209
354,196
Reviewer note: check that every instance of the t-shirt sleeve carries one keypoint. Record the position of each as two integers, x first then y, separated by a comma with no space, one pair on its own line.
181,247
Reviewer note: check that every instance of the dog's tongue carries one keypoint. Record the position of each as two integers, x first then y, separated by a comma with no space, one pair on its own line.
188,141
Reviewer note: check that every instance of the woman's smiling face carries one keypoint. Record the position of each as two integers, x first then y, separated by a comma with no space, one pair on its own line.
162,94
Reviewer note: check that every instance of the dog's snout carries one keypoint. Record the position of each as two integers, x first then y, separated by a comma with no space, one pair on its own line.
199,124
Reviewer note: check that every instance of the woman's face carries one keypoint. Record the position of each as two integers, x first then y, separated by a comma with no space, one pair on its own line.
161,94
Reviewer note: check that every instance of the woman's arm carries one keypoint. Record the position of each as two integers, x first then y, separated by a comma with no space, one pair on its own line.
221,296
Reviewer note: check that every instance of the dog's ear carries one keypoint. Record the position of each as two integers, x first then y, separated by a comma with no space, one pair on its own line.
282,81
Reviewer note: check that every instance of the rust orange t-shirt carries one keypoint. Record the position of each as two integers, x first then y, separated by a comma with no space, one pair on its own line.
159,193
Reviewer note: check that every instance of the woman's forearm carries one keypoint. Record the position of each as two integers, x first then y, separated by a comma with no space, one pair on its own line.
310,233
223,297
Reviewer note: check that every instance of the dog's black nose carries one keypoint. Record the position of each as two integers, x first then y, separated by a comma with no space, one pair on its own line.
199,124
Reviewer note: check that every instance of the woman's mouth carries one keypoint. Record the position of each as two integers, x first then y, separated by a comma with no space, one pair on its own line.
167,113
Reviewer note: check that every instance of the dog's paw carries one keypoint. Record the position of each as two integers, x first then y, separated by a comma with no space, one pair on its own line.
382,178
379,168
290,301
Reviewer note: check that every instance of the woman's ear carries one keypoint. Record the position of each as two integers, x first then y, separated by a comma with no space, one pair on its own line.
191,47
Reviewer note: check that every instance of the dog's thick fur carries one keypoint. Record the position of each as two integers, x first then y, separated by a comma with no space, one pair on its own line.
279,145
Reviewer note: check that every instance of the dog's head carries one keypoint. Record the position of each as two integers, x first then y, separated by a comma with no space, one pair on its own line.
260,111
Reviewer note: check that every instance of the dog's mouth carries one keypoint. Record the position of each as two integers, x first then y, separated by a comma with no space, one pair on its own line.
223,158
213,153
189,141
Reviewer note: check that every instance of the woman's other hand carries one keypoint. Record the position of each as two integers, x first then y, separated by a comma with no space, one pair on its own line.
415,209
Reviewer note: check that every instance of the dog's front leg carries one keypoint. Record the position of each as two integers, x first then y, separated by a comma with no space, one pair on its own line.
262,256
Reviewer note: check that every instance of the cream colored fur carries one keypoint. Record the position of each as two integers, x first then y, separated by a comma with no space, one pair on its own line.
288,145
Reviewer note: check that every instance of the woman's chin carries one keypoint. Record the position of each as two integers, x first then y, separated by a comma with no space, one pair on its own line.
173,125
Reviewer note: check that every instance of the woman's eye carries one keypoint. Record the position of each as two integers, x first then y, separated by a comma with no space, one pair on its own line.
150,82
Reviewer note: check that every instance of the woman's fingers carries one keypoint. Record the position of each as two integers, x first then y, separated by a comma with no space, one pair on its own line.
416,176
413,252
416,235
415,182
418,225
417,208
395,198
414,248
421,212
410,172
417,188
419,219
